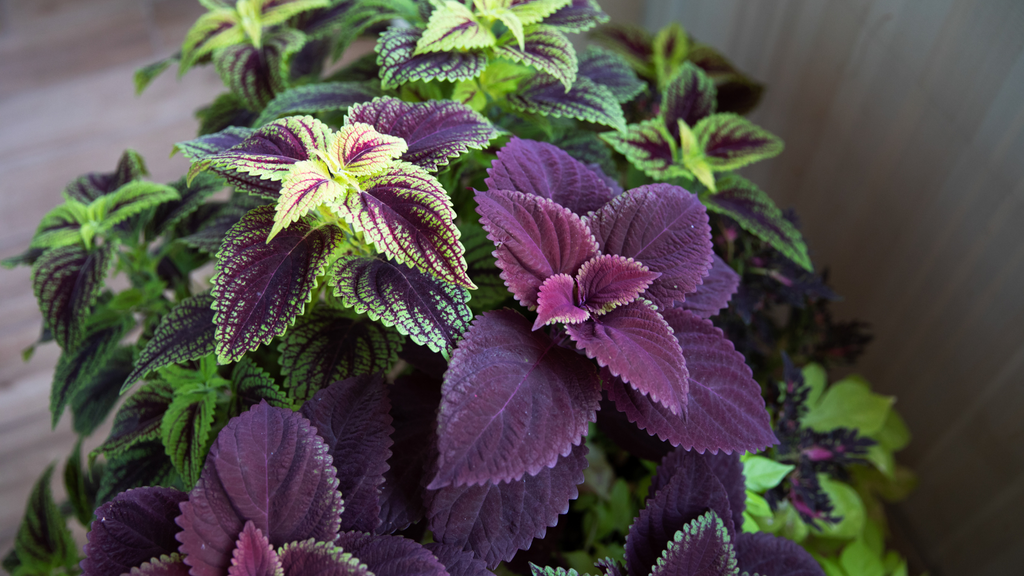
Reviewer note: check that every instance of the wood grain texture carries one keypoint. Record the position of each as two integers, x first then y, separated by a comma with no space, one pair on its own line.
904,127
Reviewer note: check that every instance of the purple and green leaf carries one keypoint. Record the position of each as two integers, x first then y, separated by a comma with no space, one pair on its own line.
586,100
547,50
482,268
398,63
703,546
317,98
185,431
634,43
165,565
308,185
730,141
91,186
77,366
210,144
453,28
142,464
139,418
579,16
95,398
135,527
648,146
184,334
319,559
43,540
66,282
689,96
612,71
253,385
358,149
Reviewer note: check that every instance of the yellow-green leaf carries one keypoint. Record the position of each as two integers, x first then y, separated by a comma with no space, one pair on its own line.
453,27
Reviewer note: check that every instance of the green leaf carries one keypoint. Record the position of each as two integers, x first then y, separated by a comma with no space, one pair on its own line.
741,200
730,141
762,473
453,28
133,198
816,380
847,504
646,145
757,505
849,403
60,226
536,10
857,558
81,498
185,431
145,75
882,459
215,29
894,434
671,46
77,367
44,542
254,384
283,11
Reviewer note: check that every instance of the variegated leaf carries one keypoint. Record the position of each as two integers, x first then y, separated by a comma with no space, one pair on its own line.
730,141
689,96
91,186
534,11
547,50
261,287
145,75
399,64
360,150
243,68
308,185
184,334
611,70
408,216
646,145
60,226
185,431
315,98
634,43
210,144
670,47
66,282
215,29
139,418
431,312
254,385
585,101
579,16
453,28
77,366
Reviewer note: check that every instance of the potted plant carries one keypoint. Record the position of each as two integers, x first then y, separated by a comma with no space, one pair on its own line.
472,290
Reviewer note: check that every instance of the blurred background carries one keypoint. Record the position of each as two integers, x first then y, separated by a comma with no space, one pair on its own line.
904,130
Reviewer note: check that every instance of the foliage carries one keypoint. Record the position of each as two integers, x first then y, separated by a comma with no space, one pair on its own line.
474,283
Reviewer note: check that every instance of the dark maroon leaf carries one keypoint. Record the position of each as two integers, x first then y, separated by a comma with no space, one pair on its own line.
702,547
269,466
496,520
633,42
435,131
665,228
261,287
536,239
690,488
414,401
210,234
608,281
513,401
133,528
636,344
611,71
725,409
715,292
168,214
91,186
399,65
626,435
186,333
142,464
66,282
729,471
457,561
736,92
352,417
139,418
327,346
387,555
578,16
253,555
768,555
689,96
545,170
311,558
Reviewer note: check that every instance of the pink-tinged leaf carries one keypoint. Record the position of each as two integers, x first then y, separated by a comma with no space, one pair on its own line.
666,229
327,346
184,334
513,401
253,555
586,100
769,555
730,141
457,561
496,520
316,98
311,558
547,50
166,565
91,186
261,287
308,185
715,293
702,547
139,418
545,170
691,490
385,555
609,281
399,65
611,71
268,466
536,239
579,16
134,527
352,417
647,145
557,301
689,96
414,402
270,152
362,151
408,215
66,282
435,131
636,344
725,408
430,312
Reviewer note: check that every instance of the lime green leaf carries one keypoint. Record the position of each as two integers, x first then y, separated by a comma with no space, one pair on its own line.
849,403
215,29
670,49
185,431
279,11
360,150
452,27
60,226
857,558
894,435
730,141
882,459
763,473
145,75
133,198
514,24
537,10
757,505
816,379
308,185
847,504
646,145
44,542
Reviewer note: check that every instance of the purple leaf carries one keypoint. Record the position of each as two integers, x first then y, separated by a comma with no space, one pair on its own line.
702,547
690,489
579,16
457,561
435,131
269,466
431,312
388,555
513,401
352,417
536,239
608,281
725,410
311,558
625,434
316,98
611,567
611,71
729,471
663,227
414,401
586,100
134,527
636,343
689,96
166,565
496,520
715,293
547,50
91,186
269,152
557,302
253,555
545,170
261,287
769,555
186,333
736,92
327,346
66,282
398,65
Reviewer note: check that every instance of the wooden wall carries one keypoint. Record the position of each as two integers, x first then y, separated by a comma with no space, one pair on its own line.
904,127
